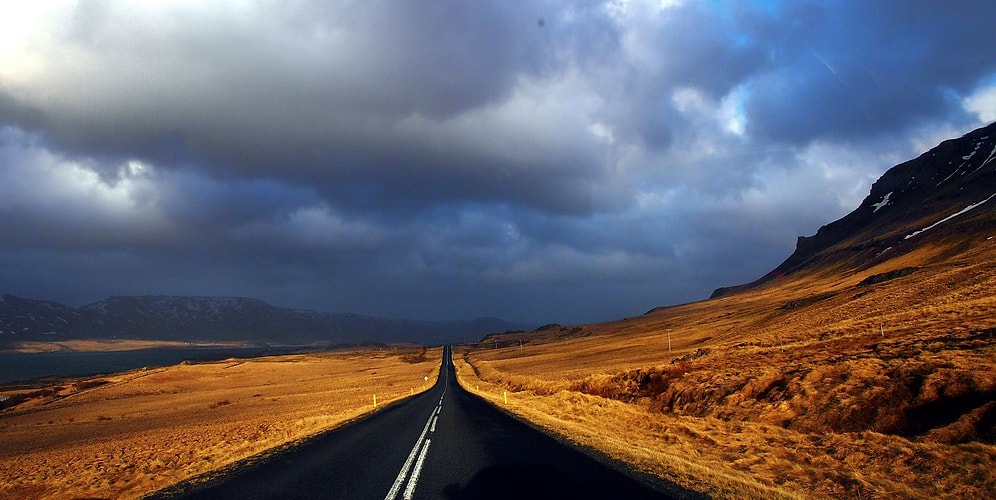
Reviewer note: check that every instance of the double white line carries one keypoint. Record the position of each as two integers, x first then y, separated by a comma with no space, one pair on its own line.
420,450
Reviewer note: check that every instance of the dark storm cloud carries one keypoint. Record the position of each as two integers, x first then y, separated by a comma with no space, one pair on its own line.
341,96
689,46
544,161
843,70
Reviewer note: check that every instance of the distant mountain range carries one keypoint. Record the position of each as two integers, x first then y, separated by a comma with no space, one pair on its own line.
219,318
944,194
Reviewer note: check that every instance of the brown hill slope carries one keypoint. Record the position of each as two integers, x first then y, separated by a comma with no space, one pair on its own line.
864,366
910,197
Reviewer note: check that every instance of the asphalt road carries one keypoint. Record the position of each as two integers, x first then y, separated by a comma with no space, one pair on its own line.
444,443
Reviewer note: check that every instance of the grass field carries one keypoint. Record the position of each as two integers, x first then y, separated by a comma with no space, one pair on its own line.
126,435
811,387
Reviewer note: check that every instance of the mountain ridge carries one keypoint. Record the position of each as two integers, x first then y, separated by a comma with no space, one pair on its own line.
203,318
861,367
947,182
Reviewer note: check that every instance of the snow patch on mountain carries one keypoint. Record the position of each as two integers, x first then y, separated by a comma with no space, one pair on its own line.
952,216
967,167
885,201
992,155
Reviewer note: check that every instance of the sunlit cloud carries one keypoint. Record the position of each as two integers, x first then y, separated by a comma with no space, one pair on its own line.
982,104
447,159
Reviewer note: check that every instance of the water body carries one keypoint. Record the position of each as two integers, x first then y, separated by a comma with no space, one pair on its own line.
16,367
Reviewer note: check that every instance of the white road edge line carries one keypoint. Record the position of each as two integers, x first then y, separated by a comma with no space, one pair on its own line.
410,489
396,487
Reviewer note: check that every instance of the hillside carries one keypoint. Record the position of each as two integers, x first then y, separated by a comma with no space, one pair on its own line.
864,366
217,319
951,186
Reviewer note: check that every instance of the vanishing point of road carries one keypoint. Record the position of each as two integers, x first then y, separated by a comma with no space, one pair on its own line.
444,443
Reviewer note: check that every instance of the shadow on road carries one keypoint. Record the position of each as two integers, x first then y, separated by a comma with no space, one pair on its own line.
519,481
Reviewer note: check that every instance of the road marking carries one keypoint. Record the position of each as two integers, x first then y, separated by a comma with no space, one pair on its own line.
410,489
396,487
419,449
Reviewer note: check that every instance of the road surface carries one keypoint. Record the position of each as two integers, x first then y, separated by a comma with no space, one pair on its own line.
444,443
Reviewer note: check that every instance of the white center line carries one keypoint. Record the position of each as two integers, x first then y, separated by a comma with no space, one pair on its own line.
410,489
430,427
393,493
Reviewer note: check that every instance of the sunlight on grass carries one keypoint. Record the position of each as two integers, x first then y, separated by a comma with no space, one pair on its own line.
813,386
136,432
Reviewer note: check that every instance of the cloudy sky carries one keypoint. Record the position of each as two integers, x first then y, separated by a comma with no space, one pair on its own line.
538,161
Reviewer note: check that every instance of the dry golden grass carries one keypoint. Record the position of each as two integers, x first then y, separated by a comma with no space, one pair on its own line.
812,386
126,435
